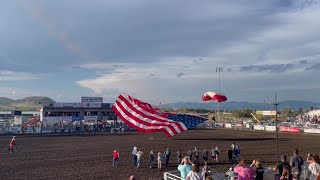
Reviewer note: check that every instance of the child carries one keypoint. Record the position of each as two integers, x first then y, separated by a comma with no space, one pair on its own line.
231,174
206,172
179,157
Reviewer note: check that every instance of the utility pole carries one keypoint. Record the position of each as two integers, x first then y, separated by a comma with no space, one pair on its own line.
219,70
277,129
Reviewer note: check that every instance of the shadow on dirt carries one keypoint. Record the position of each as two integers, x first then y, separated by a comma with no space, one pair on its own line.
228,139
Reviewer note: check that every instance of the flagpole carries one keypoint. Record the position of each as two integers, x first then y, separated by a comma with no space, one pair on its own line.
277,128
219,70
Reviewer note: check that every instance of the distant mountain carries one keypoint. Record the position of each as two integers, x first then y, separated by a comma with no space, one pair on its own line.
233,105
4,101
28,103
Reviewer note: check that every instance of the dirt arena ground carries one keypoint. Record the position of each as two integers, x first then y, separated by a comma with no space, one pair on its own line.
90,157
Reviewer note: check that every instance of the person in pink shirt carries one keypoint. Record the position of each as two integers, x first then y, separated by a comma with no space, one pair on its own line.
115,158
244,172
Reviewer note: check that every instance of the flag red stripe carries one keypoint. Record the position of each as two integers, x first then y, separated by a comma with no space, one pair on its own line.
123,99
128,122
170,125
143,105
135,113
133,118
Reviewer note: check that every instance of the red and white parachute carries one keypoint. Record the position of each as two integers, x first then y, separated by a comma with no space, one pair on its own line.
212,96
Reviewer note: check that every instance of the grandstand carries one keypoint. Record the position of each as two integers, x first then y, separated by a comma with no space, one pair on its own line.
314,113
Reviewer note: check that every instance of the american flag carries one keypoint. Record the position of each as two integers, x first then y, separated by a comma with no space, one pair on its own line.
143,117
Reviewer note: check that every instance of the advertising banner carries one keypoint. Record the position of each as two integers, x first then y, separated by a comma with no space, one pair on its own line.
52,119
271,128
311,130
289,129
67,105
91,99
67,118
228,125
14,129
91,105
76,118
90,118
258,127
17,120
266,113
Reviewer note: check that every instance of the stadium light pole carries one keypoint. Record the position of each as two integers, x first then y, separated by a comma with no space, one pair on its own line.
219,70
277,129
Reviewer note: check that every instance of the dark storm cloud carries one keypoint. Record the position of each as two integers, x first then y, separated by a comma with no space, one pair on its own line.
179,75
277,68
315,67
303,61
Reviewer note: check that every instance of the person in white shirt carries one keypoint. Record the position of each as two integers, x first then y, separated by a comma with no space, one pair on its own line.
159,158
314,167
139,154
195,174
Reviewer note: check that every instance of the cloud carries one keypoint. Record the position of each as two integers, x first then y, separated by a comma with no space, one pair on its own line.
303,61
179,75
142,47
39,14
277,68
314,67
6,75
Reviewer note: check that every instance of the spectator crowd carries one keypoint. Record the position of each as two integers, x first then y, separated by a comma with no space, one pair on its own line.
189,164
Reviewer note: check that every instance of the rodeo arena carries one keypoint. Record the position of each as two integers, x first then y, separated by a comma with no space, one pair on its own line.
131,139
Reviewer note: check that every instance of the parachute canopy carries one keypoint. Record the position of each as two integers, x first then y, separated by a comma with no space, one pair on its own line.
213,96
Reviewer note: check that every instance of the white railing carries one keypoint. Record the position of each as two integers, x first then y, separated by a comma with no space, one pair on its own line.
172,175
175,175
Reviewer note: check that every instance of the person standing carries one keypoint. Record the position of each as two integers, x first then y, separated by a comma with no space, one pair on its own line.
195,174
179,156
258,168
213,154
185,167
196,154
151,159
244,172
296,163
235,150
167,154
139,156
283,166
189,154
205,155
205,172
217,152
115,158
159,158
12,144
230,156
134,154
314,167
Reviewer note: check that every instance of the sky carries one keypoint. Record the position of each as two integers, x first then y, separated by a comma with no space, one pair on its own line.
160,51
